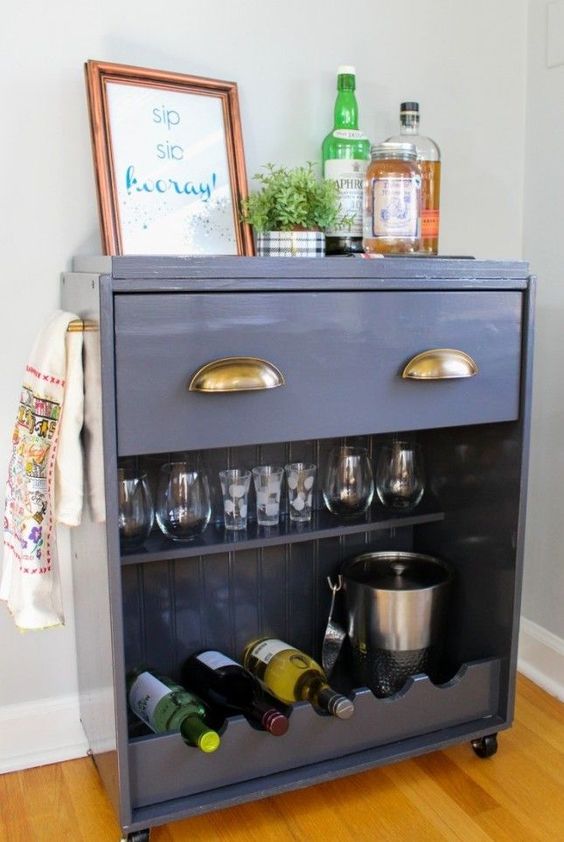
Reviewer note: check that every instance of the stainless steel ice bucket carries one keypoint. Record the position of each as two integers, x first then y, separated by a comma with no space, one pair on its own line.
396,605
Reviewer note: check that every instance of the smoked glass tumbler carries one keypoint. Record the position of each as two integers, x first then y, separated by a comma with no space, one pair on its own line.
300,478
235,486
268,483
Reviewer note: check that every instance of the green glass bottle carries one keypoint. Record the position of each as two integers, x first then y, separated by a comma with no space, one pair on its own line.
164,705
346,152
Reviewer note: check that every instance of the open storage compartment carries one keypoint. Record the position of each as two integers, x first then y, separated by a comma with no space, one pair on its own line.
223,589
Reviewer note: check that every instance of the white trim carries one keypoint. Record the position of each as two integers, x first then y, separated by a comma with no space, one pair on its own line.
40,732
541,657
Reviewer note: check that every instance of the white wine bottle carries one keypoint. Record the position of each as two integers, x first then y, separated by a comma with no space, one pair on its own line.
164,705
293,676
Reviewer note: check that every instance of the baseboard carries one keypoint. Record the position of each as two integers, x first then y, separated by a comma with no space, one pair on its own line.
541,657
40,732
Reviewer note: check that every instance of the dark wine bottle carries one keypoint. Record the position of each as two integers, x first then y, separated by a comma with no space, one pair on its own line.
229,688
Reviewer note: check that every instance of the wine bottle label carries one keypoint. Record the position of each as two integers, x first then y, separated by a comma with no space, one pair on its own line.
267,649
145,694
349,175
216,660
395,207
349,134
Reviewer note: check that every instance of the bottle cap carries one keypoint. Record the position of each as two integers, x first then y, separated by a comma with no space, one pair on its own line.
208,741
341,707
335,703
275,722
409,107
392,149
346,70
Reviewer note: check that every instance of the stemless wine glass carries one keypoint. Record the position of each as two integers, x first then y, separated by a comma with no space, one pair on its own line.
349,482
135,504
183,500
400,476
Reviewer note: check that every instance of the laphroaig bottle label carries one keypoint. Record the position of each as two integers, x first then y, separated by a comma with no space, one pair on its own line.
145,694
267,649
349,175
395,207
216,660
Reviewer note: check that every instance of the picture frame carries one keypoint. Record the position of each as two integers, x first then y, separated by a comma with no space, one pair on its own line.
168,160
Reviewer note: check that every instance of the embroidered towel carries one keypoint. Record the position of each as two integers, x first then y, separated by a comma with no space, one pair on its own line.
44,475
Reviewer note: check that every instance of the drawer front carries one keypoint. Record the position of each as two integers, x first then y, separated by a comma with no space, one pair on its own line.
341,354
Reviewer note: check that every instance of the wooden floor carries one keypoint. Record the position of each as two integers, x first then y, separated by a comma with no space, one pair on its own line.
451,795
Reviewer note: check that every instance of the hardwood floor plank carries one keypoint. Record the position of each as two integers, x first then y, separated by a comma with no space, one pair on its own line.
435,803
15,825
455,783
502,826
450,796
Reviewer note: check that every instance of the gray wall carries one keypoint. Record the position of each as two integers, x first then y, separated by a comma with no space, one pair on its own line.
543,245
465,62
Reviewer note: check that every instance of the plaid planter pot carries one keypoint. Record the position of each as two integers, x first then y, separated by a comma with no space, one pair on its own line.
291,244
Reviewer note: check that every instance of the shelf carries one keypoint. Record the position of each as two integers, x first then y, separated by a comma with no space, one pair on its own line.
323,525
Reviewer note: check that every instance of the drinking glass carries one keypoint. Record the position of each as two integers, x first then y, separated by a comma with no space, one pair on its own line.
300,478
400,476
235,486
183,501
268,483
135,504
349,482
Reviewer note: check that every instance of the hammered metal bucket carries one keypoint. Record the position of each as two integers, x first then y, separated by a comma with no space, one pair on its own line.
396,605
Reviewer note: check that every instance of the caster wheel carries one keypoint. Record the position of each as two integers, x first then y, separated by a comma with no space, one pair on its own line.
485,746
137,836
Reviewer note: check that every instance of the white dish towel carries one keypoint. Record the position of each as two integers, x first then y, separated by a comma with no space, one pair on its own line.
45,482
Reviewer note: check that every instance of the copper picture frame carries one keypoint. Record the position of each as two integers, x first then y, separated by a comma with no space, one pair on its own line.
169,161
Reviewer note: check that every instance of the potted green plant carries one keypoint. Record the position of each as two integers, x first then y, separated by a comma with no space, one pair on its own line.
291,210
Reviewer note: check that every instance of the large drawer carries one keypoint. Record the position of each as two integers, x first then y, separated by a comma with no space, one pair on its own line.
341,354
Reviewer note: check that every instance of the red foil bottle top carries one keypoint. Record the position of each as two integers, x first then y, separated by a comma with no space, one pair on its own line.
275,722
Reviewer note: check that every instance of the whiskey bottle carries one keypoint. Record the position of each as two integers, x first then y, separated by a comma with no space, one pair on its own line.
429,157
346,152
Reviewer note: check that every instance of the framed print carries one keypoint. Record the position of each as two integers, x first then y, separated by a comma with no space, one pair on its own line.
169,162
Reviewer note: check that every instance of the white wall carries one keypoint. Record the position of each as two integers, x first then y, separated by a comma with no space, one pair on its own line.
465,63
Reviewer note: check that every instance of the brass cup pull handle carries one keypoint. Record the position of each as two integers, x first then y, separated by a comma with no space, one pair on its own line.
440,364
236,374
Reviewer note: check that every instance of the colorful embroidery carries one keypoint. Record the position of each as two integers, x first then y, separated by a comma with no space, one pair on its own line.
28,515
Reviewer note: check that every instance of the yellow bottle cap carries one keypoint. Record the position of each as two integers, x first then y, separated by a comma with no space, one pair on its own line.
209,741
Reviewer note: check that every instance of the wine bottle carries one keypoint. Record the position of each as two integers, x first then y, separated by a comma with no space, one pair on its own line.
429,157
164,705
229,688
346,152
292,676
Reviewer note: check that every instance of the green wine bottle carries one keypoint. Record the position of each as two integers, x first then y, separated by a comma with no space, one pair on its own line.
164,705
346,152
